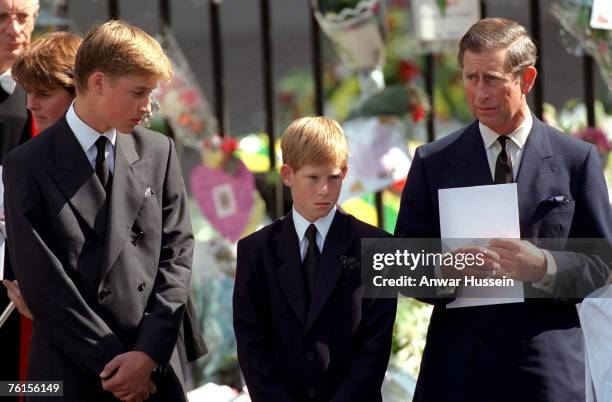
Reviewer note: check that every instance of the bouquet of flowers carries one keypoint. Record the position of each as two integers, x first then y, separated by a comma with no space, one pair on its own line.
574,16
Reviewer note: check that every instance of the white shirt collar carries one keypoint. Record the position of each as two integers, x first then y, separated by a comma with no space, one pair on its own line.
85,135
518,136
322,224
7,82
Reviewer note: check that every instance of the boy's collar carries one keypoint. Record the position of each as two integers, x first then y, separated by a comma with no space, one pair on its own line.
322,224
86,135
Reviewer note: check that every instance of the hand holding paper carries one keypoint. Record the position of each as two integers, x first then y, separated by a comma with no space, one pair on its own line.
519,259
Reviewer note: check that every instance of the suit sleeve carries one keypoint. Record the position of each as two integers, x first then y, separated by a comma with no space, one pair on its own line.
252,327
57,306
416,220
371,352
159,328
587,268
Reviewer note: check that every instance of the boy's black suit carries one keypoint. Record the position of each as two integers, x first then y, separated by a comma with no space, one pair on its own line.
96,287
335,349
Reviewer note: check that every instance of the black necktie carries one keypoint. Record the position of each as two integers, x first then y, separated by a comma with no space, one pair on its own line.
503,165
3,94
311,260
102,170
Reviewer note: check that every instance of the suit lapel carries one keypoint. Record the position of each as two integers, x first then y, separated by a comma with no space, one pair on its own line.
330,268
76,178
469,165
289,272
536,161
130,179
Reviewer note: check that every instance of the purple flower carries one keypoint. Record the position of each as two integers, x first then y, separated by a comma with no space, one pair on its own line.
597,137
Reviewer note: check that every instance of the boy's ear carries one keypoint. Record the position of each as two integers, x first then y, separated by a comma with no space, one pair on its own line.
286,174
95,82
345,171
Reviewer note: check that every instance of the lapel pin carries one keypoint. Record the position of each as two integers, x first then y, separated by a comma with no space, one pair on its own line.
148,192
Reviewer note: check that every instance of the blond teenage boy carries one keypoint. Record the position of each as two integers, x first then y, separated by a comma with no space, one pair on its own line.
99,231
304,331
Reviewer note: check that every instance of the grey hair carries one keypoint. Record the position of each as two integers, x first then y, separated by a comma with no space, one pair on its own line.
500,33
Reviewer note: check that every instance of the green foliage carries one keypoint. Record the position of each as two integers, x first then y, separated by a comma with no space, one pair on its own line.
409,332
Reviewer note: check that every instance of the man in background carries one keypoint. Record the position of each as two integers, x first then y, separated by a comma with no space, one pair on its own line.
17,20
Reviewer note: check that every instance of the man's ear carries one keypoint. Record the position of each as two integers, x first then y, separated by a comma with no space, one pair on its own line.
528,79
286,173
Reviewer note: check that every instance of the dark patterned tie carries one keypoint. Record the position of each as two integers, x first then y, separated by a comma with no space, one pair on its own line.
311,260
102,170
503,165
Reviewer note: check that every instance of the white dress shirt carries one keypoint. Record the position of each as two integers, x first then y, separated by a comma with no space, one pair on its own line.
87,137
7,82
514,147
322,224
596,321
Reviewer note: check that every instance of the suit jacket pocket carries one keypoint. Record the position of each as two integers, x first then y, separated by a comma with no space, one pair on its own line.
555,209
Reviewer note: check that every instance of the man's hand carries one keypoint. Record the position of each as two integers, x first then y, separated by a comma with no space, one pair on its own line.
519,259
489,268
15,295
131,380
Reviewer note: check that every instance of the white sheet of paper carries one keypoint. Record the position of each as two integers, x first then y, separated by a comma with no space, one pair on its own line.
601,14
480,212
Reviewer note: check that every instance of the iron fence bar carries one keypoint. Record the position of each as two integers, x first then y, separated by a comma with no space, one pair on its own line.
589,89
164,13
538,89
429,88
317,66
113,9
217,60
268,89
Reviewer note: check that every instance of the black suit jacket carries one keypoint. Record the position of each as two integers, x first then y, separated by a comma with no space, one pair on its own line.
530,351
14,130
14,127
335,349
98,287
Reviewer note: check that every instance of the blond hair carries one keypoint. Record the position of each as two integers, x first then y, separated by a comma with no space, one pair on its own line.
48,62
117,49
316,141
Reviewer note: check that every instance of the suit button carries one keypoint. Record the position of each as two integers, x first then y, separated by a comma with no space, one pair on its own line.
104,293
310,356
141,286
481,342
311,392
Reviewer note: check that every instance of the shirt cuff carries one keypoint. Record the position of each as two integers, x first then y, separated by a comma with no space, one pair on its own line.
549,281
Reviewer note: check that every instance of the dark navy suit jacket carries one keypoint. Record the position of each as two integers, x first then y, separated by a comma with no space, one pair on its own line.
530,351
334,349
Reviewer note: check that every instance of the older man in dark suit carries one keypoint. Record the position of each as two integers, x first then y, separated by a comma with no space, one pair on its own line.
530,351
17,19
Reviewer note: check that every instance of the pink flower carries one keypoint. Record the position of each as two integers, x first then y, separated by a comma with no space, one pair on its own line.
597,137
